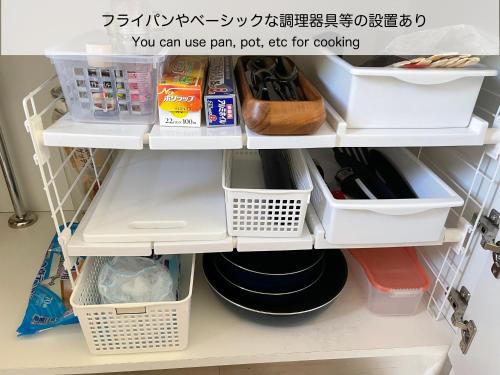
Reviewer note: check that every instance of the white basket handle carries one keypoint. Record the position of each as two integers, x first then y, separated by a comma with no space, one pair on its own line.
130,310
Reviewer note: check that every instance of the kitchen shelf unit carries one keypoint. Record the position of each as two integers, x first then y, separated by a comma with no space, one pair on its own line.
204,346
199,138
196,138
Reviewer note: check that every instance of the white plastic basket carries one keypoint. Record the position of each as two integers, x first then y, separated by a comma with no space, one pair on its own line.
384,222
132,327
256,212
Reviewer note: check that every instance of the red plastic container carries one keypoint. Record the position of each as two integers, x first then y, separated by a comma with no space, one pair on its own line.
393,279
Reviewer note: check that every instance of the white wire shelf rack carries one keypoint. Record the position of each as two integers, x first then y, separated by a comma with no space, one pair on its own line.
473,173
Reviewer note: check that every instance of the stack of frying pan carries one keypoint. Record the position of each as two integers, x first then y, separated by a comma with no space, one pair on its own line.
277,282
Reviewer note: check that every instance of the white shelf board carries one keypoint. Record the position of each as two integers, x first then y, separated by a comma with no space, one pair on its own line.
68,133
324,137
160,196
202,138
473,135
190,247
219,334
304,242
78,247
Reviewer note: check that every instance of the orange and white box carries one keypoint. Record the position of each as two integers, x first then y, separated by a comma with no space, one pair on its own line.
180,91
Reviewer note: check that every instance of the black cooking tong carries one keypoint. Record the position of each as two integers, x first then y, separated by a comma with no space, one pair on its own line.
368,174
273,78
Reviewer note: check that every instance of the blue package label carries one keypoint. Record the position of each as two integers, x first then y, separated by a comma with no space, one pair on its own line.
220,94
220,111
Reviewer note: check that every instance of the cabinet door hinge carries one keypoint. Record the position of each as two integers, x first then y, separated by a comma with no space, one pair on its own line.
489,226
459,301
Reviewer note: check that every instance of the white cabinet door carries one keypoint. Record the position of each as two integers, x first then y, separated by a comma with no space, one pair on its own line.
483,356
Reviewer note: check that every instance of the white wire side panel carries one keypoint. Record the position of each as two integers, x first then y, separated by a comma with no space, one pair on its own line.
70,176
474,175
473,172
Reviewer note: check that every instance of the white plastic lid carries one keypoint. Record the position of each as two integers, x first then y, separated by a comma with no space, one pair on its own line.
99,44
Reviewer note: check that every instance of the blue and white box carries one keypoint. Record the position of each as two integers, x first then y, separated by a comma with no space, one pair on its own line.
220,93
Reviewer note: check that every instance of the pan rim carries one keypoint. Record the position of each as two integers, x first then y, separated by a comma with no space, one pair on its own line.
320,258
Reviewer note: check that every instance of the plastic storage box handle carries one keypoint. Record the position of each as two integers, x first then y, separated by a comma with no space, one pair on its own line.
394,211
424,78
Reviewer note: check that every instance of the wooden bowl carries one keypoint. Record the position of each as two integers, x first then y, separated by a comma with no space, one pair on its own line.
280,117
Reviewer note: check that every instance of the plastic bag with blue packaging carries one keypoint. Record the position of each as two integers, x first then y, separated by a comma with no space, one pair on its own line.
48,305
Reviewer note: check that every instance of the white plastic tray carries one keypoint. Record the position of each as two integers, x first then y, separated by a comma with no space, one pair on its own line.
383,222
395,98
160,196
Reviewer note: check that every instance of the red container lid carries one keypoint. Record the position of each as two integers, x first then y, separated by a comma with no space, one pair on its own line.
392,268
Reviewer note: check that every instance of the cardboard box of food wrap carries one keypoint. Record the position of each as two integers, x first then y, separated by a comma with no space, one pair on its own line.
180,91
220,93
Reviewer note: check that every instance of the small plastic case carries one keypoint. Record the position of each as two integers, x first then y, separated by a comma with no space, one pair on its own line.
105,84
393,278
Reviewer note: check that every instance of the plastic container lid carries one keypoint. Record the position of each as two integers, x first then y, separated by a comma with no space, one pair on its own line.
392,268
99,44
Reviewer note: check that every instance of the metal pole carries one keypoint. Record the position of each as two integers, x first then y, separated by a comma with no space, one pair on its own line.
21,217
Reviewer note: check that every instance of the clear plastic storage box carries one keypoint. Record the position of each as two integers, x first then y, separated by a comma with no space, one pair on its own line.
393,279
101,86
387,97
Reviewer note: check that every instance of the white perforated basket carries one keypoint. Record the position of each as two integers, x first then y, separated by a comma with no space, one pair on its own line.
132,327
255,212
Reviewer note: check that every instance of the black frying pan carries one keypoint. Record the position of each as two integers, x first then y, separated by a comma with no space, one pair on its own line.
316,296
271,272
274,262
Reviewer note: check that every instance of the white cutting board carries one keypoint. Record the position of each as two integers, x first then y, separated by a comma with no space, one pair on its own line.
160,196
